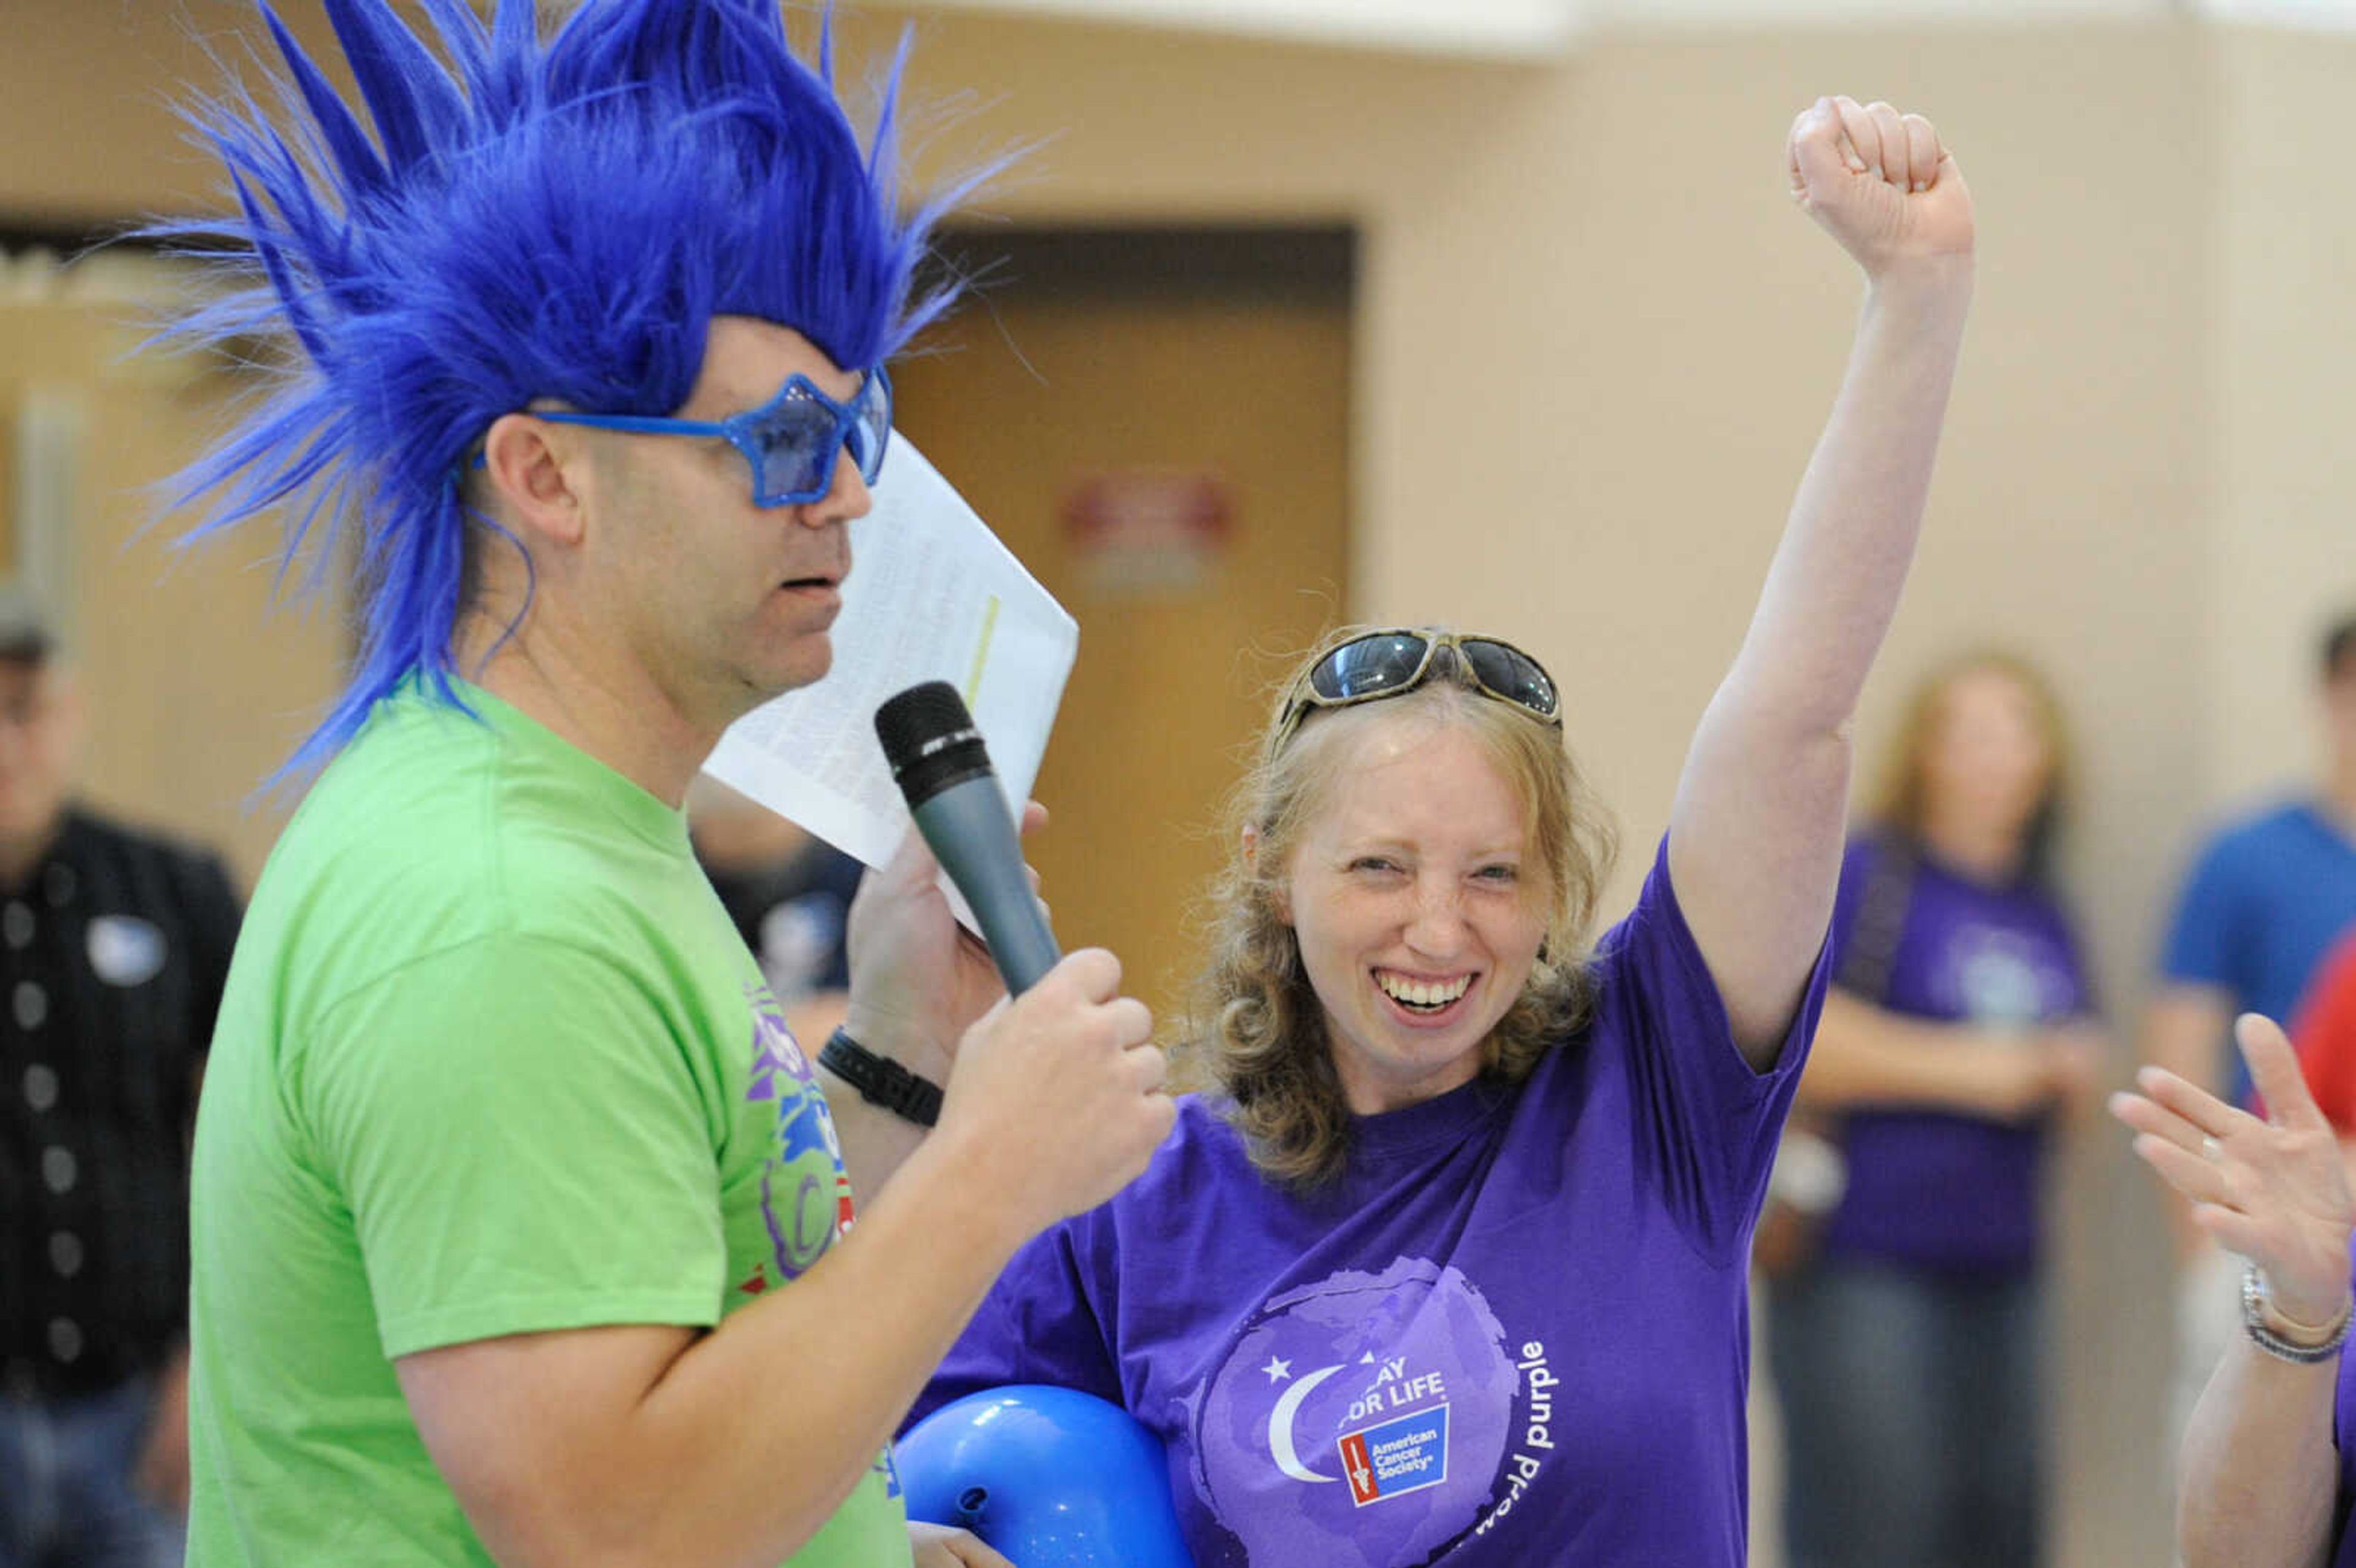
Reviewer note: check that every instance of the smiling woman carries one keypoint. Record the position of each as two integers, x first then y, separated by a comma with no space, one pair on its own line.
1352,1283
1451,1157
1452,836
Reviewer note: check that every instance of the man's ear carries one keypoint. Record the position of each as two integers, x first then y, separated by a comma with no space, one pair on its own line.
541,478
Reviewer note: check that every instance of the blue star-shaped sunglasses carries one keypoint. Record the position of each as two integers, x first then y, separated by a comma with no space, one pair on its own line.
791,442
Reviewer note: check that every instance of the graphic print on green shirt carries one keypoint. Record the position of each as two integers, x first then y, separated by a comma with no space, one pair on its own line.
806,1201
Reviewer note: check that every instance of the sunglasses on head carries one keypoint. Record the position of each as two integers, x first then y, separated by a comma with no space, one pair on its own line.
791,442
1385,664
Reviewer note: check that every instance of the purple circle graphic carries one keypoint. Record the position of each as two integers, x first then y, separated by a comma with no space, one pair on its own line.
1359,1422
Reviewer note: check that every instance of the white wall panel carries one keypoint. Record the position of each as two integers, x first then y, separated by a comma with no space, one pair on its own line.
1498,28
1540,28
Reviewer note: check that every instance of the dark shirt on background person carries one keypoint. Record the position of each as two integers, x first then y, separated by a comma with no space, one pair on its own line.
789,895
114,948
112,954
793,914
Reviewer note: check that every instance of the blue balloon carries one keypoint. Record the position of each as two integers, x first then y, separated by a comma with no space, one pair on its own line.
1049,1477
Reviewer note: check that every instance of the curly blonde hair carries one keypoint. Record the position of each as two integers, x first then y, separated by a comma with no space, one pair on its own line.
1259,1033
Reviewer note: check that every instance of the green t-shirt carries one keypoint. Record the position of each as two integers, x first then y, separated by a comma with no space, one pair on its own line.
492,1060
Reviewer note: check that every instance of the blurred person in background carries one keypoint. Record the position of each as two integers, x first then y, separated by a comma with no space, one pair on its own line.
1906,1345
789,893
2324,1034
2268,1467
2266,897
114,944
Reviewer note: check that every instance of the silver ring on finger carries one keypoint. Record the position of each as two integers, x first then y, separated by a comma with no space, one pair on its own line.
2211,1150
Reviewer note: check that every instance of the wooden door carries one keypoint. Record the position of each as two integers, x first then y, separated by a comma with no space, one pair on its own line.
1110,376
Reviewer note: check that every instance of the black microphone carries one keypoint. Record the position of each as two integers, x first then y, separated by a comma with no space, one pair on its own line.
937,758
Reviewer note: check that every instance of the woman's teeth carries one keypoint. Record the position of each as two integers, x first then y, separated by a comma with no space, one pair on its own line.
1430,996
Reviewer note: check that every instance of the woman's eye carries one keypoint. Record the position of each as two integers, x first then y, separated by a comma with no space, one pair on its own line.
1500,873
1373,863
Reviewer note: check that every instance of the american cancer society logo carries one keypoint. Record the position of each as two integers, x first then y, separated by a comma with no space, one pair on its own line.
1361,1420
1396,1457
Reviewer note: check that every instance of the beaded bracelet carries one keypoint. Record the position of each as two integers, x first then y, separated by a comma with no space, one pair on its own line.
2253,1318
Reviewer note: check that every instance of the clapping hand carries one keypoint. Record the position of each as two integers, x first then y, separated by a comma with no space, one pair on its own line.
2273,1189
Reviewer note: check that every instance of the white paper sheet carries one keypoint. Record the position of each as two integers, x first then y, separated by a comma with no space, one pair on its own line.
932,595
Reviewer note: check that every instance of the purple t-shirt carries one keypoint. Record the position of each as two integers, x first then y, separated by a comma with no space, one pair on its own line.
1939,1190
2344,1437
1513,1332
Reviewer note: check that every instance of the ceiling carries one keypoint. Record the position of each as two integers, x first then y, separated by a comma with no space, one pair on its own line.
1535,29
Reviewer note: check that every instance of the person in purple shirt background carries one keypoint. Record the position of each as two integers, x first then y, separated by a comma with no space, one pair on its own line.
1906,1350
1449,1265
2268,1471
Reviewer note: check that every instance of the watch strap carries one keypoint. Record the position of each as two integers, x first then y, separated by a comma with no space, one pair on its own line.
881,1081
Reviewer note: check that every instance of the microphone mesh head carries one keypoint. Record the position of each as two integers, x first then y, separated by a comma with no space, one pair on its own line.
918,717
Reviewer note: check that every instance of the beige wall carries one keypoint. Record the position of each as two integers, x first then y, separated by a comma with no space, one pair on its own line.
1595,345
194,689
2284,352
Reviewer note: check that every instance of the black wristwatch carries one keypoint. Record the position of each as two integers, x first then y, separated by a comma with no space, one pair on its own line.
882,1080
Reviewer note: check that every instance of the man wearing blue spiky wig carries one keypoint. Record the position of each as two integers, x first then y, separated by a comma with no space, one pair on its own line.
522,1229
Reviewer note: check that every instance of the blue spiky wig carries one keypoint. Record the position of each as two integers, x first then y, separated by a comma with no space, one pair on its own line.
521,218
